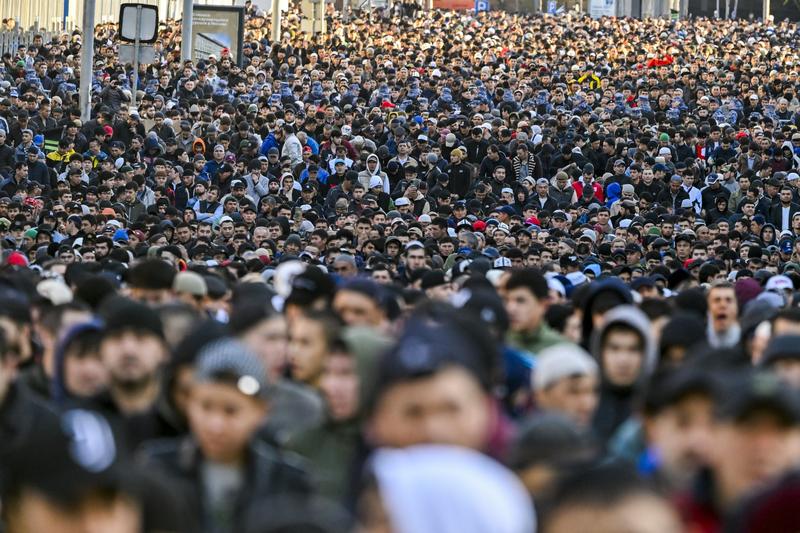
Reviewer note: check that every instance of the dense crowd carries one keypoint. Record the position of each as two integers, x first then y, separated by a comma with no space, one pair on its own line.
429,271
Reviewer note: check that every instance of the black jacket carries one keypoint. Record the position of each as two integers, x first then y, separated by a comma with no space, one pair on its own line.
267,474
460,178
775,215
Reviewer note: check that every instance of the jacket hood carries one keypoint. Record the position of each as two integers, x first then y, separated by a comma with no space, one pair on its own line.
634,318
377,170
58,387
613,285
366,346
774,234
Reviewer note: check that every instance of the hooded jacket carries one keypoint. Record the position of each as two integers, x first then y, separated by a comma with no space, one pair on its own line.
616,402
332,448
365,175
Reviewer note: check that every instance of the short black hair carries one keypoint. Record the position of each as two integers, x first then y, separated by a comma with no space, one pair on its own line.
151,274
531,279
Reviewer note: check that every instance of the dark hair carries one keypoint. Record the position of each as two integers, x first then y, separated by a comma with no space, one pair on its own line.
151,274
531,279
600,486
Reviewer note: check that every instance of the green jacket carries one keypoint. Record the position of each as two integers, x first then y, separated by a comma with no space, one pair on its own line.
330,450
535,342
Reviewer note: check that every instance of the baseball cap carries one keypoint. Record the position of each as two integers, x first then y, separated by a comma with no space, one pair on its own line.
229,361
781,347
190,283
121,314
756,391
561,361
779,283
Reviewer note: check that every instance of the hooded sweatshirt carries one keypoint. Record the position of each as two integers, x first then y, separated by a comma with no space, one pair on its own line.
365,175
333,447
616,401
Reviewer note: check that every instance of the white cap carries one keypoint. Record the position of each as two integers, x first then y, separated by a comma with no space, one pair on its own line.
502,262
400,202
779,283
560,361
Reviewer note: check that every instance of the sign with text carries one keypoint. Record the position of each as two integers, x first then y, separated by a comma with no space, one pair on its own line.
602,8
218,31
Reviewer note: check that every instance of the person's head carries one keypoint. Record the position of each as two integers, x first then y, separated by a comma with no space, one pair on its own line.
345,266
312,336
610,497
83,373
432,387
547,447
723,308
361,303
263,331
132,347
150,281
782,357
69,477
228,400
566,382
526,299
754,435
623,346
678,412
415,257
441,488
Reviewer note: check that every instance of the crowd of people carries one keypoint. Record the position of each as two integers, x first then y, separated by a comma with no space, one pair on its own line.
429,271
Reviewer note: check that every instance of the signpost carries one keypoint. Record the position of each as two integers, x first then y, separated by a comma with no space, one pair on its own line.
87,60
481,5
217,30
137,23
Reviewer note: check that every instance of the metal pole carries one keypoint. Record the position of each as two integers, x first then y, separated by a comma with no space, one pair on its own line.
136,51
186,31
87,59
765,15
276,21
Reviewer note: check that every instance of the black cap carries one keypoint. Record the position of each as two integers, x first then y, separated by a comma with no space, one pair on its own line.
425,349
551,439
433,278
309,286
780,348
669,387
121,314
742,395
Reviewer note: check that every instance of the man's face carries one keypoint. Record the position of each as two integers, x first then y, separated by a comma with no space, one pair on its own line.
449,407
748,453
101,249
222,419
357,309
184,234
132,358
575,397
339,385
682,435
645,513
415,259
622,357
722,308
525,310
